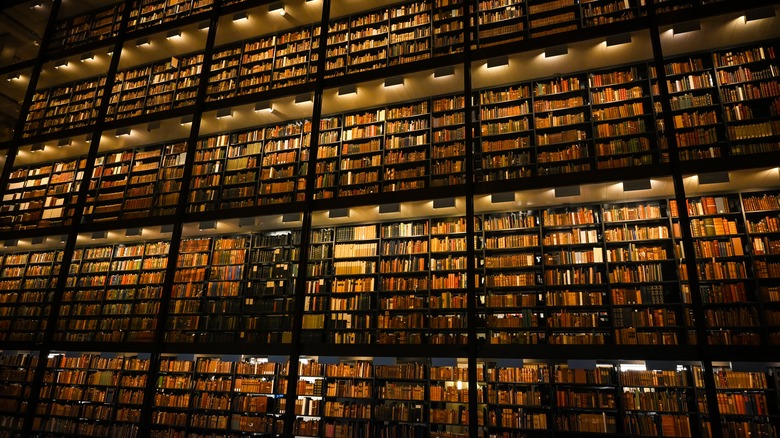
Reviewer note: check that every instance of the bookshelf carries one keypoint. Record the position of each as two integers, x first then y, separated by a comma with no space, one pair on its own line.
506,133
368,40
113,293
760,211
598,13
744,401
244,282
448,17
258,405
410,33
92,27
400,408
42,195
91,394
28,282
309,393
136,183
512,265
551,17
150,13
586,399
516,398
657,402
161,86
295,59
263,166
62,107
407,146
573,261
16,369
750,94
644,289
448,146
622,118
727,287
697,126
172,396
348,398
561,126
500,21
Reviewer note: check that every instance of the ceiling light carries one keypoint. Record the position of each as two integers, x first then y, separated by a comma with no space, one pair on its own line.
186,119
37,147
444,203
265,106
225,112
13,76
204,25
240,16
277,7
301,98
87,57
616,40
176,33
395,80
690,26
122,131
347,89
444,71
207,225
152,126
63,142
143,42
61,64
497,62
99,235
758,14
556,51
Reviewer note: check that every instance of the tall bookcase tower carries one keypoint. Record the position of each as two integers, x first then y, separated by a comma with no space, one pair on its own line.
392,219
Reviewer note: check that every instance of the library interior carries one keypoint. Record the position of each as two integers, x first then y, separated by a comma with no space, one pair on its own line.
522,218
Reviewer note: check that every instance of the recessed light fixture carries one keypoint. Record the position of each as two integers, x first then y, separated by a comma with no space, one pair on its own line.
395,80
207,225
11,243
443,72
61,64
292,217
36,5
639,184
338,212
37,147
444,203
142,42
87,57
63,142
176,33
563,192
277,7
122,131
556,51
265,105
186,119
690,26
497,62
758,14
498,198
616,40
130,232
714,178
99,235
246,222
390,208
301,98
347,89
88,139
225,112
152,126
240,16
204,25
13,76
